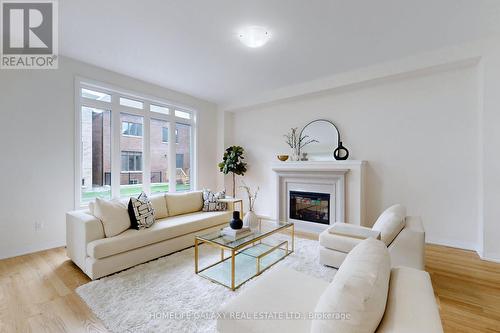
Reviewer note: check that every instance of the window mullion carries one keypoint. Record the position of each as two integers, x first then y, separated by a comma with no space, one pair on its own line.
172,171
146,147
115,147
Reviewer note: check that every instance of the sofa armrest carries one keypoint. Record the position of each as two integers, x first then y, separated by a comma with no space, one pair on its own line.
81,229
408,248
411,306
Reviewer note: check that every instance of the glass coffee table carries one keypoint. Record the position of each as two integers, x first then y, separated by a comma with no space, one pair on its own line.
249,255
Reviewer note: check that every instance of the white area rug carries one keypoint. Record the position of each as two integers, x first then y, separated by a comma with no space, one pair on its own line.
142,298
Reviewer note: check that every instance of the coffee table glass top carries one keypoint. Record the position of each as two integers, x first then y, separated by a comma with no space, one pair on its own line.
229,242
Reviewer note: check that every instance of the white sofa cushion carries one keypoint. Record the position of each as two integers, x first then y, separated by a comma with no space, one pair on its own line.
159,205
338,243
353,231
113,215
161,230
184,203
411,306
280,290
359,289
390,223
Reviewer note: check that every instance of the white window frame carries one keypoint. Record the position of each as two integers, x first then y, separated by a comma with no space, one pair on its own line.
116,130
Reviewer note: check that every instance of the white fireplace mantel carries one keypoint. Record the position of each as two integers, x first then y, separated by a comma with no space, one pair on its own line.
345,177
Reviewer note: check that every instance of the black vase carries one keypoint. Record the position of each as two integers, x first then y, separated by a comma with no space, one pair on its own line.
341,153
236,223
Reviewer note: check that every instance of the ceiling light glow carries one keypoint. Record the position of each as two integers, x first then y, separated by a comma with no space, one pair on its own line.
254,36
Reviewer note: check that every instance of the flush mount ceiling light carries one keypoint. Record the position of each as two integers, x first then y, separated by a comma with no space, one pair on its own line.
254,36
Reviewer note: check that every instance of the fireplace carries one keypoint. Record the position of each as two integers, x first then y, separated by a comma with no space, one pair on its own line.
310,206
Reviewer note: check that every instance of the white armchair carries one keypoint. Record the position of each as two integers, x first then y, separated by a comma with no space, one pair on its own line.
403,235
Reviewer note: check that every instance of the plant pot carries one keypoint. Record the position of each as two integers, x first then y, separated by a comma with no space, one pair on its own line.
251,220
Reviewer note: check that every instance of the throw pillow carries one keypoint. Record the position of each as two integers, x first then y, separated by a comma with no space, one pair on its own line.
184,203
159,205
113,215
390,223
211,201
358,290
142,214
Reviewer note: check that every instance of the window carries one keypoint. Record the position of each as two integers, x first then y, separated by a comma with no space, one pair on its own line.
131,129
179,160
131,103
182,114
95,128
131,147
131,161
159,155
165,135
183,157
159,109
164,132
95,95
123,145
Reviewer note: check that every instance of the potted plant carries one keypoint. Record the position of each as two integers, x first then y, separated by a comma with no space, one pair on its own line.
232,162
250,220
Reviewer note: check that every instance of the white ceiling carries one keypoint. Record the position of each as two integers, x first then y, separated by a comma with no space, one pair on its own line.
192,45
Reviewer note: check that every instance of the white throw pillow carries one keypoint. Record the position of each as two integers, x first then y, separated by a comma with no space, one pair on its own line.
390,223
159,205
357,296
184,203
396,209
113,215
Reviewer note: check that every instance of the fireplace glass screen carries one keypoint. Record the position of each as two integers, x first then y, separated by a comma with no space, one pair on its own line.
310,206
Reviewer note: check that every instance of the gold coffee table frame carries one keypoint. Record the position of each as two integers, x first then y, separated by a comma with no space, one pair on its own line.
235,250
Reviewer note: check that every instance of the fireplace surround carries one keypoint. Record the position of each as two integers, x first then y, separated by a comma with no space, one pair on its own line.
341,180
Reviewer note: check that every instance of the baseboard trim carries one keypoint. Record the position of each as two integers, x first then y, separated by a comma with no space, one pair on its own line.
10,253
452,243
488,258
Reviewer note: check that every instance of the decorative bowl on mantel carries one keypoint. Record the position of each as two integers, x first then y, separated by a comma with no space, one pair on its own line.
282,158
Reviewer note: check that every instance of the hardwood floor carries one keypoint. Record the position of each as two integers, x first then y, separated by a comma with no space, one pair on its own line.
467,289
37,292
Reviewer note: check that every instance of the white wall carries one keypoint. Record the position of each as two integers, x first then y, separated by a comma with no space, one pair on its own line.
419,135
37,143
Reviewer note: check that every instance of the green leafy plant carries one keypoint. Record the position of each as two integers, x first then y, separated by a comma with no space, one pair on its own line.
232,162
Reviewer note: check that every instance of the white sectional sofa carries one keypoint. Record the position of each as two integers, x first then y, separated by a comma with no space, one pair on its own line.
366,295
179,218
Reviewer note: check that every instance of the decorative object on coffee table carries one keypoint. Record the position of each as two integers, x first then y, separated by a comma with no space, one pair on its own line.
236,233
282,158
320,130
232,162
296,142
236,223
251,220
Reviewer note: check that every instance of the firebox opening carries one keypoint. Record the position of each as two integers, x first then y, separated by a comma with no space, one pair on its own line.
310,206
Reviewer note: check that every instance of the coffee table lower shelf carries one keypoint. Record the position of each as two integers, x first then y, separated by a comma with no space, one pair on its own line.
248,263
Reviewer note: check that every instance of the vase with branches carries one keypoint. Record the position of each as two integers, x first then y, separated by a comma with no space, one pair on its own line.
250,220
296,142
232,162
